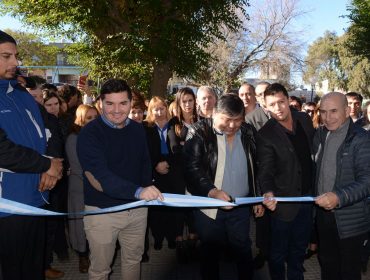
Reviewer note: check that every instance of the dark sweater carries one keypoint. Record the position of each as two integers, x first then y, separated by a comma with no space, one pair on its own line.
117,158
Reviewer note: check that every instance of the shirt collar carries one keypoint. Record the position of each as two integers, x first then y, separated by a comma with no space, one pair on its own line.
112,125
343,127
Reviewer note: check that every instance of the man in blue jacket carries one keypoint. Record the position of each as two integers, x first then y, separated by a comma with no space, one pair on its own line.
115,161
342,154
22,128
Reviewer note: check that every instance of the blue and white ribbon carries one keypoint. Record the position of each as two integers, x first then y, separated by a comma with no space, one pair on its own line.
170,200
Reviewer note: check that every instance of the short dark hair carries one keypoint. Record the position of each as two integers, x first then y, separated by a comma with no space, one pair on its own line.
275,88
38,80
295,98
49,87
6,38
231,105
114,86
355,95
67,92
30,83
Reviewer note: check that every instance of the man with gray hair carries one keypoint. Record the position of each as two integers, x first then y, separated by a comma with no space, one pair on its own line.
342,155
206,101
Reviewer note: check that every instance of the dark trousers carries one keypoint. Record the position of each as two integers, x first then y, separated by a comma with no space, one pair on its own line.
289,241
340,259
263,234
231,229
162,222
22,242
56,240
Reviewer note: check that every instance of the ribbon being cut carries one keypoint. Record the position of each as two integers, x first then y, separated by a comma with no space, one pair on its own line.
170,200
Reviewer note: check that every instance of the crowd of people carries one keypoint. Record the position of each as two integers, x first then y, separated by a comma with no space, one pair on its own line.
62,154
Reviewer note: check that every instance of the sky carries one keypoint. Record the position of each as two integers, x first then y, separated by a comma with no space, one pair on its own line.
322,15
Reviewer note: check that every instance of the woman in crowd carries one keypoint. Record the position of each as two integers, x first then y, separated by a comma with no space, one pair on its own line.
84,114
167,173
172,109
185,116
52,103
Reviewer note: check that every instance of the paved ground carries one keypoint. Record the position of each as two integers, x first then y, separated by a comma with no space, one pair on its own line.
164,266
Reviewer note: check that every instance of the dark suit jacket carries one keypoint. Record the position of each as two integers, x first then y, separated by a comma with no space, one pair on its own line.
279,169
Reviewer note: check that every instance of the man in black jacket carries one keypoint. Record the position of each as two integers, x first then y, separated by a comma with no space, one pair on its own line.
285,168
342,154
219,163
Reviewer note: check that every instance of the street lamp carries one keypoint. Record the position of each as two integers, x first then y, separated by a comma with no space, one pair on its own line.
313,81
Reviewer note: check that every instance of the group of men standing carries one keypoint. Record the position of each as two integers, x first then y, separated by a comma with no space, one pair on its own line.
225,157
331,164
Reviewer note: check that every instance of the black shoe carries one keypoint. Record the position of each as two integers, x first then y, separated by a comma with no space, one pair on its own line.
182,252
192,243
259,261
309,254
364,267
172,244
145,258
157,245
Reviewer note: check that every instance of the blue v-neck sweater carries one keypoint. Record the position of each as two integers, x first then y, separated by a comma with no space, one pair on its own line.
117,158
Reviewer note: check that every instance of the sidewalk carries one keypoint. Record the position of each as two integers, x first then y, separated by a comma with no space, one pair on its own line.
163,265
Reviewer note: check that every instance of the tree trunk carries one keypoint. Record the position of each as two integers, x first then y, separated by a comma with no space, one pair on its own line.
161,75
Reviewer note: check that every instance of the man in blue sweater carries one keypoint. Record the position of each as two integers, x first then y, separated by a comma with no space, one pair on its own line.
115,160
23,141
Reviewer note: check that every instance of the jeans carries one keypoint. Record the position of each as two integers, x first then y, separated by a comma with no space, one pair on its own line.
289,241
230,229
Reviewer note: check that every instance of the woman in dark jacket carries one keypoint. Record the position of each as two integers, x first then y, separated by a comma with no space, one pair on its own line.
185,116
167,174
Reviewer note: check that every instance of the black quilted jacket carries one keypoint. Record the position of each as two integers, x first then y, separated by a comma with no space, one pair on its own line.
352,183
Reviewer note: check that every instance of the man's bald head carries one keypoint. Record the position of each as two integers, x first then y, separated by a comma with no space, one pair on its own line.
336,95
334,110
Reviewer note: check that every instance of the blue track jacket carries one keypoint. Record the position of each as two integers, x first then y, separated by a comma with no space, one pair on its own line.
21,120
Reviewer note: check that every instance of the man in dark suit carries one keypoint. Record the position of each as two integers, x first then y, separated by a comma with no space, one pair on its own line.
285,168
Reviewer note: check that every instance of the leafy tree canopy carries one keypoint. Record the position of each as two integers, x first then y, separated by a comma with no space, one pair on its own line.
330,58
161,35
360,28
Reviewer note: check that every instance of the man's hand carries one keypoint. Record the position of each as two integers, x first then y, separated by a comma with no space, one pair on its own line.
56,168
258,210
162,167
328,200
151,193
269,201
47,182
221,195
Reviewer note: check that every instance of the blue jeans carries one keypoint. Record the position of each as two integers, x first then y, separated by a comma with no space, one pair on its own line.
289,241
230,229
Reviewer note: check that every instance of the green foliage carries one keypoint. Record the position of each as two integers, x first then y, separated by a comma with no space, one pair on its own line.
330,58
360,28
323,62
32,51
139,34
103,64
